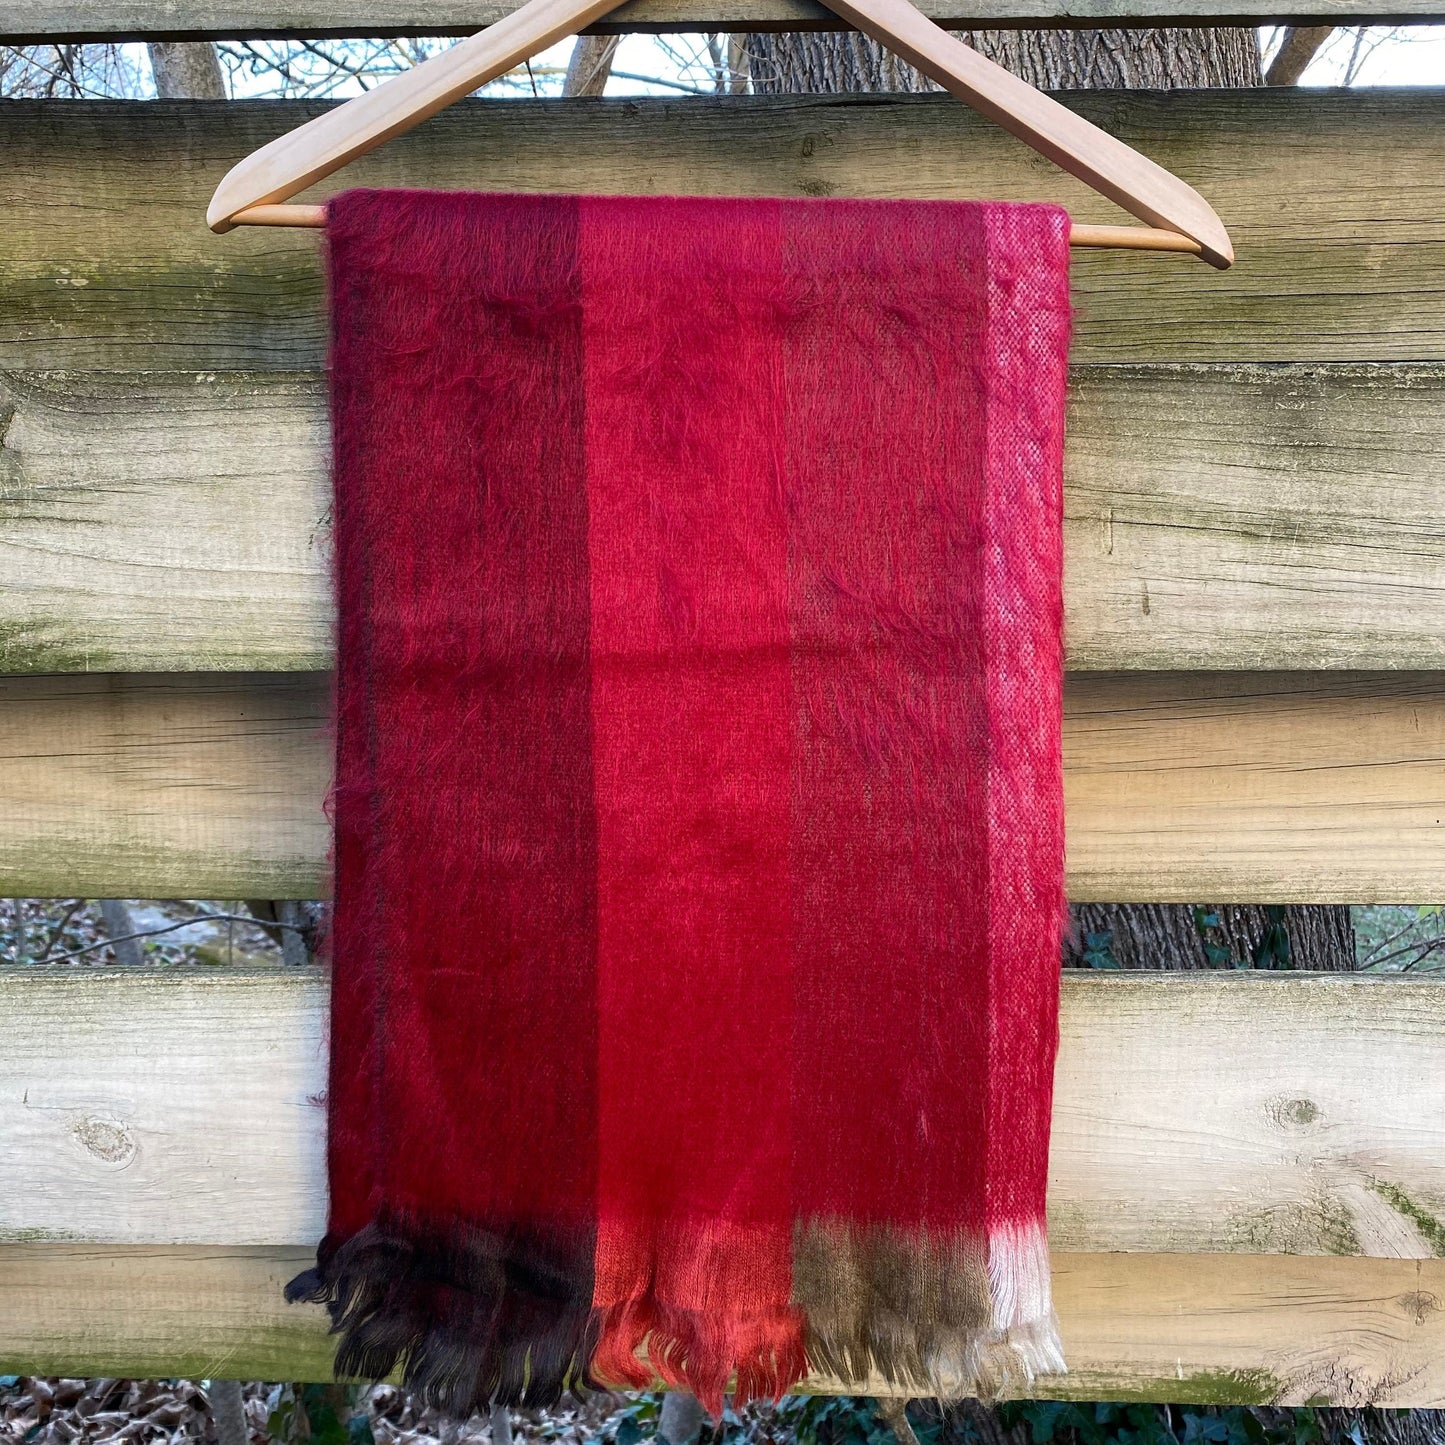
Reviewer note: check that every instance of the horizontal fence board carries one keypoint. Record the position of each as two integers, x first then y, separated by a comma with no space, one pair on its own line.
1219,1330
164,522
1256,788
1246,787
1335,200
163,787
135,19
1192,1114
1215,517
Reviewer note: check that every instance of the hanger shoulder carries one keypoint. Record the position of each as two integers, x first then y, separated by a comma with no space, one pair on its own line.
312,151
1101,161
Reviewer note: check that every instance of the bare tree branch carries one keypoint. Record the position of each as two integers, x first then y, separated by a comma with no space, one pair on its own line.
590,65
60,928
1296,49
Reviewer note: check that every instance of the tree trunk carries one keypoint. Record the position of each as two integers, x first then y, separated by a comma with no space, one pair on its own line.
1143,59
186,70
119,928
1108,935
825,63
228,1413
1211,935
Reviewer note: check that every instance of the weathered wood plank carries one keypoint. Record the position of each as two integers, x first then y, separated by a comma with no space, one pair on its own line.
160,522
1255,517
163,787
1336,202
1249,787
1271,788
1192,1115
1215,517
1185,1329
137,19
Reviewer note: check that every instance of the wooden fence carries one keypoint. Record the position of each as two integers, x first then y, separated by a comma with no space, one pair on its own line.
1248,1173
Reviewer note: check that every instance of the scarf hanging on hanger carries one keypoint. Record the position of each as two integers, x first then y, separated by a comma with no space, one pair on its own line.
699,839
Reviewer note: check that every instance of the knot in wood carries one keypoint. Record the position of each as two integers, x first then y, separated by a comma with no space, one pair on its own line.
1293,1113
105,1140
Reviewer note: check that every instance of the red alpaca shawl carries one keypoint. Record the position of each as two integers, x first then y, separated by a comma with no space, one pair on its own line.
699,839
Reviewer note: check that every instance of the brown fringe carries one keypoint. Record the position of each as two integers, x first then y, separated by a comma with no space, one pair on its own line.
470,1318
929,1315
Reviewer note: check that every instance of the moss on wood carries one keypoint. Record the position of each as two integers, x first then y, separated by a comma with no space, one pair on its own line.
1202,1387
44,644
1429,1227
1339,214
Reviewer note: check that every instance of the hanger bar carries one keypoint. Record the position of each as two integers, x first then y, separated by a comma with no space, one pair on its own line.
1132,238
1121,238
311,217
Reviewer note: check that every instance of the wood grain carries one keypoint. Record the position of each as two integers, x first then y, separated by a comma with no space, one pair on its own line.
1262,788
163,522
1187,1329
1191,1114
163,787
1336,202
1215,517
1249,787
135,19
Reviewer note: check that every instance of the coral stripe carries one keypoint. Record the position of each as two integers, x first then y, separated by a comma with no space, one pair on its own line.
691,718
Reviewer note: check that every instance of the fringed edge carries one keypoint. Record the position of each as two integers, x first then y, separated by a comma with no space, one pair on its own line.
762,1354
947,1318
472,1318
469,1317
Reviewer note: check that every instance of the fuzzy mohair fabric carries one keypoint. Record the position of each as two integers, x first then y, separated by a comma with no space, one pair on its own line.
699,838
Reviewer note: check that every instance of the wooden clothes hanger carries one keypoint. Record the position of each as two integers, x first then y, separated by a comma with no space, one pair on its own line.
1177,217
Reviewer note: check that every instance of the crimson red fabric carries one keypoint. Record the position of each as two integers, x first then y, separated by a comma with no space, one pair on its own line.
698,800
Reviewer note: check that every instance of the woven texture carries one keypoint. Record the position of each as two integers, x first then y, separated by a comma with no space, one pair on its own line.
699,841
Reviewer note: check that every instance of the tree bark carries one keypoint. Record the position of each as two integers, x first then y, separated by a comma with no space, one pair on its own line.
1211,935
228,1413
118,928
1143,59
297,948
186,70
590,65
826,63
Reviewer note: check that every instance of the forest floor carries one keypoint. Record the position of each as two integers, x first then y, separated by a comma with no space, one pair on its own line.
36,1411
